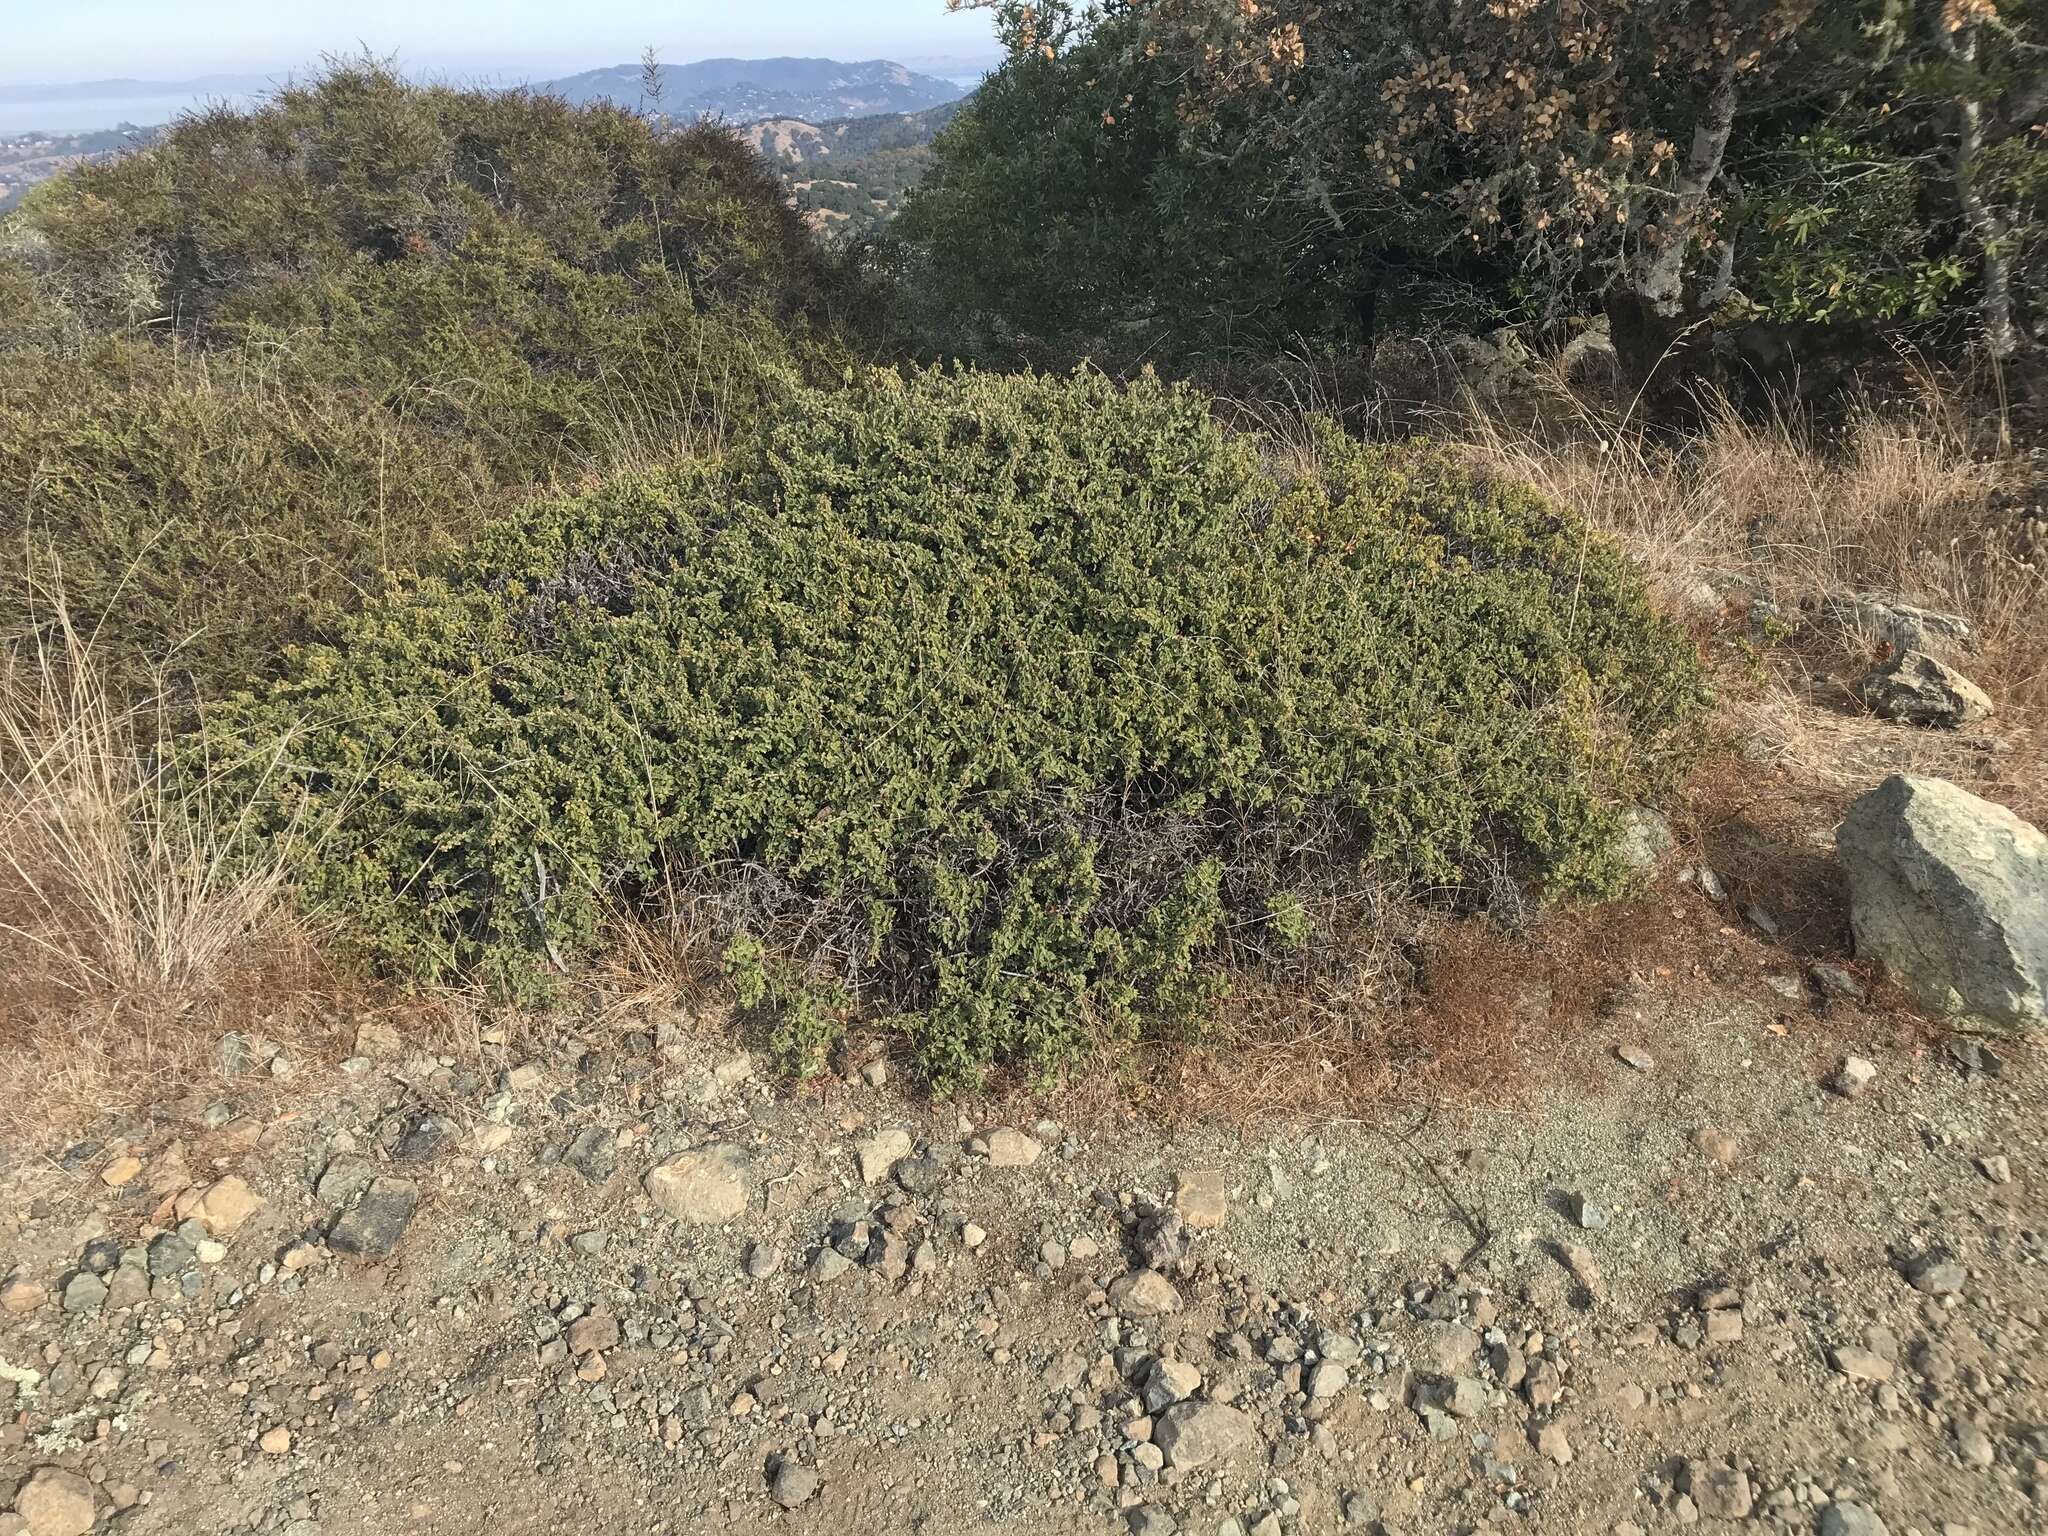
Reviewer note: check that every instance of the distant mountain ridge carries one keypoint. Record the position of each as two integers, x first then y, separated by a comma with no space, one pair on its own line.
746,90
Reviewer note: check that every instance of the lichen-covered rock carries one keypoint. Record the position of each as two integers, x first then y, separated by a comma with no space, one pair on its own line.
1920,690
1951,892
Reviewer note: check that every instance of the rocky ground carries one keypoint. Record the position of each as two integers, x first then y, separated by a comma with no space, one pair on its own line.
1700,1272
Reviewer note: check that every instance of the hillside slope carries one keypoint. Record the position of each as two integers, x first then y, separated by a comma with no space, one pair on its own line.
850,175
815,90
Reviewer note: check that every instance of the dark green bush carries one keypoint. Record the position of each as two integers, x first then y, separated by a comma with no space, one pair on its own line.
1014,704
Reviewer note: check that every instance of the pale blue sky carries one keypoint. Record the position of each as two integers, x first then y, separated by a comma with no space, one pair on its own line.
67,40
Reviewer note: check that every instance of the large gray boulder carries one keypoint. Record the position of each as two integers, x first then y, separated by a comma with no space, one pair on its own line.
1951,893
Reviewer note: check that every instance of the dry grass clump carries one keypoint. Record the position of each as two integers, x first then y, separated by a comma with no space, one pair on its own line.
132,919
1773,526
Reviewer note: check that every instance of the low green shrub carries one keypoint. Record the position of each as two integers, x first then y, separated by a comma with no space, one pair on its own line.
1012,706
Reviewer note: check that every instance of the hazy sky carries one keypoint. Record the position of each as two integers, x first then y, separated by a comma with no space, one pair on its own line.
66,40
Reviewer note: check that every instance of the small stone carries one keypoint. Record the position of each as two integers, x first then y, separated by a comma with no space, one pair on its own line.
1848,1520
1446,1347
881,1152
706,1186
1852,1076
226,1205
1932,1275
1862,1365
763,1260
120,1171
56,1503
373,1228
21,1295
1724,1327
828,1264
1635,1057
1995,1168
1838,982
84,1294
1919,689
275,1442
1718,1146
795,1485
1462,1397
1587,1212
1170,1382
1009,1148
596,1334
972,1236
876,1073
1585,1268
1150,1520
1554,1444
377,1040
1202,1434
1721,1492
1144,1293
170,1254
1327,1380
1973,1445
1200,1199
593,1153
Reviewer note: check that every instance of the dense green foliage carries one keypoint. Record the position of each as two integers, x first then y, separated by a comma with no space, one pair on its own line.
1186,177
1070,213
250,369
1013,706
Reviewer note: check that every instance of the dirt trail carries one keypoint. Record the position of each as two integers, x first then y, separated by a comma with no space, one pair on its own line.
1418,1320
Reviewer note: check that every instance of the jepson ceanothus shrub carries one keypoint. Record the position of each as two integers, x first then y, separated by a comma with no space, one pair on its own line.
984,694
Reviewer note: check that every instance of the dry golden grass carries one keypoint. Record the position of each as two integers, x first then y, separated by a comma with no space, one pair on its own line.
1767,527
133,920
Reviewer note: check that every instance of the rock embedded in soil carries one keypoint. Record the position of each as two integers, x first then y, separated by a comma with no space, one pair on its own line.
1850,1520
1950,892
1862,1364
55,1502
1143,1293
226,1204
1199,1197
1009,1148
706,1186
1721,1492
1718,1146
1936,1275
373,1227
84,1294
881,1152
1917,689
1203,1434
1852,1076
794,1486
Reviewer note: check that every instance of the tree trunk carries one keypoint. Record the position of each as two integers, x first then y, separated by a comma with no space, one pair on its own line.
1663,335
1988,228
